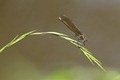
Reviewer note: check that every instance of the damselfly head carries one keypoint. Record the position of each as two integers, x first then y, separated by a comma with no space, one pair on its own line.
82,39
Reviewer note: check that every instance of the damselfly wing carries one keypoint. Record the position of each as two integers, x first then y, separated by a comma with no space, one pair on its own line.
80,36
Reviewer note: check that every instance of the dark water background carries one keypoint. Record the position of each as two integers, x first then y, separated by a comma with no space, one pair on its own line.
99,20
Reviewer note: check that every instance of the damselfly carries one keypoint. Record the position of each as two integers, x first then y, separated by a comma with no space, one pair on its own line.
80,36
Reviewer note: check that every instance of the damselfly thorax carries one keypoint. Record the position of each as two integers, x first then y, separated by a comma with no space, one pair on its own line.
79,35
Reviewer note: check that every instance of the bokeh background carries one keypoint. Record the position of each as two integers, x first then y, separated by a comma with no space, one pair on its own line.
36,56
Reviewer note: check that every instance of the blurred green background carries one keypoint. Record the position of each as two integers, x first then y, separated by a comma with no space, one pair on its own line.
51,58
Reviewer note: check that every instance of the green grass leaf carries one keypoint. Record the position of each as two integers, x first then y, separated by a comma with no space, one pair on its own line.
85,51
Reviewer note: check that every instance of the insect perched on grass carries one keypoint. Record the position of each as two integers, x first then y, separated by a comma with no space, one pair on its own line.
79,35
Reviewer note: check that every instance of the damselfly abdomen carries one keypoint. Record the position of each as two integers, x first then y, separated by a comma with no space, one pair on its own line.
80,36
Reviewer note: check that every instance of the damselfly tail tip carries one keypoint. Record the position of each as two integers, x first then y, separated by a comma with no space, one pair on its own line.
59,18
